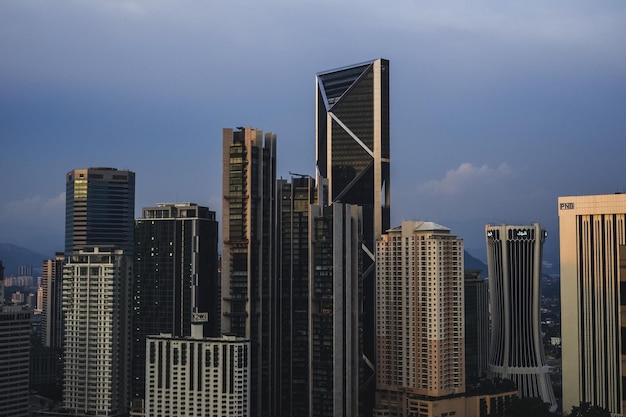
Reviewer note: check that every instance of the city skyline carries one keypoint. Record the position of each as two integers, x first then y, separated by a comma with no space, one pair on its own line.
484,102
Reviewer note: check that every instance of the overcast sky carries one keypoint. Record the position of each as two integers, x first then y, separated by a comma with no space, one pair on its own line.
497,108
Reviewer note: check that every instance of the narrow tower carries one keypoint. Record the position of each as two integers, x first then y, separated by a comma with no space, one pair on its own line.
249,285
514,256
352,157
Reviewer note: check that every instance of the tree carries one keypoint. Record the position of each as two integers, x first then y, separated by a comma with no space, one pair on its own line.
587,410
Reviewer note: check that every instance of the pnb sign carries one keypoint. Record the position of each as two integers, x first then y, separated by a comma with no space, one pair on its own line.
199,317
566,206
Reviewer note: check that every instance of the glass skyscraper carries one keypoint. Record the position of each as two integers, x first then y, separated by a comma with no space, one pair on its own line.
99,208
352,158
175,275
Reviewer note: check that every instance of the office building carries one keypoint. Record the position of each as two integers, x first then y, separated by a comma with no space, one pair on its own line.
476,308
96,308
99,208
420,368
175,270
197,376
14,360
593,313
249,284
335,310
352,159
295,199
514,256
51,312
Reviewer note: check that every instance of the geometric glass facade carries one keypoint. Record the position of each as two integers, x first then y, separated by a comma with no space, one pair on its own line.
352,159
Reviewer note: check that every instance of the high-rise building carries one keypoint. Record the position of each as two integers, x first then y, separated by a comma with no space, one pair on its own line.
352,158
197,376
295,199
97,277
249,284
514,256
175,270
51,312
420,330
335,310
14,359
593,310
476,307
99,208
96,307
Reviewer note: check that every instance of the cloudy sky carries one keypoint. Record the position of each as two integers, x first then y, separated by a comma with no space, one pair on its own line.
497,108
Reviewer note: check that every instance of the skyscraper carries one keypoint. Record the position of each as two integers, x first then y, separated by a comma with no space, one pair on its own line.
97,277
249,284
593,308
476,305
295,199
175,274
335,310
99,208
514,256
51,312
420,331
96,301
352,158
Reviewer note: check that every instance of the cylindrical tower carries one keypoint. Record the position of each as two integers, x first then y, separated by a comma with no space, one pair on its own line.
514,256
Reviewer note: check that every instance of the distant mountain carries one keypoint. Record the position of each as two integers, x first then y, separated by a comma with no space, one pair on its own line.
473,263
13,257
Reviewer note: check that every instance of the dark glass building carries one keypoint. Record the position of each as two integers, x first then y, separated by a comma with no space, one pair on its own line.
353,167
249,284
175,274
99,208
476,309
295,199
335,304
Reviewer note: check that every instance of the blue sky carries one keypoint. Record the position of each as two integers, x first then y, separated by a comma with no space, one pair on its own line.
497,108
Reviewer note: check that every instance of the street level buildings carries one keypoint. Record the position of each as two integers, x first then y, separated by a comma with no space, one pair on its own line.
175,275
197,376
593,292
352,161
249,284
420,367
514,256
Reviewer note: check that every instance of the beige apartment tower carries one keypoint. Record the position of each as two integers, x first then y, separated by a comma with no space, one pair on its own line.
593,261
420,366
